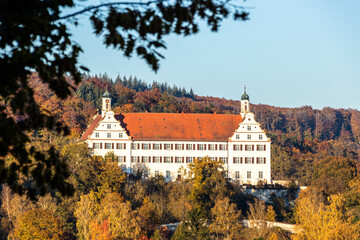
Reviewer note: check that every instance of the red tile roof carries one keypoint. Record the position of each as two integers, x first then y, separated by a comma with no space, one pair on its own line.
91,127
176,126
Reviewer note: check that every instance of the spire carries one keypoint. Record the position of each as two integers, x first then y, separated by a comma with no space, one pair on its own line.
106,93
245,96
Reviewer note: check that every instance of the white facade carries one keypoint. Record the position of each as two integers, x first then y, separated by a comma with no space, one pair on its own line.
246,154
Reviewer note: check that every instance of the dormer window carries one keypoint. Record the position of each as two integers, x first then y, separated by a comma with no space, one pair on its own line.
108,126
260,137
249,137
249,128
109,135
97,134
120,135
237,136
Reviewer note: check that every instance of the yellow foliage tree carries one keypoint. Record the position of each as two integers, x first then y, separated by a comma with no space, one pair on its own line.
317,220
226,219
39,224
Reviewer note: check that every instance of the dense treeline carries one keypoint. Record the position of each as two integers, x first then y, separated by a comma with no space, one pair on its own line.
318,147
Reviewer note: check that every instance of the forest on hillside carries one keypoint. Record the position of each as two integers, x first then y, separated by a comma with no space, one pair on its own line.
301,137
317,147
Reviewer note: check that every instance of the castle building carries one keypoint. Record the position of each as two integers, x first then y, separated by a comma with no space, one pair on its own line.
164,143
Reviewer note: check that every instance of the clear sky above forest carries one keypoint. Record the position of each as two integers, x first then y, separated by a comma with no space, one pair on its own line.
290,53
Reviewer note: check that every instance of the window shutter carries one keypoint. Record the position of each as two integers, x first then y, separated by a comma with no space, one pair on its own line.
183,147
227,147
124,158
233,159
241,160
204,146
124,145
138,159
264,147
257,160
149,146
257,147
198,147
93,145
187,146
252,160
234,147
216,146
209,146
216,158
172,146
100,145
172,159
194,147
160,146
142,146
241,147
252,147
138,146
160,159
112,146
142,159
226,160
183,159
264,159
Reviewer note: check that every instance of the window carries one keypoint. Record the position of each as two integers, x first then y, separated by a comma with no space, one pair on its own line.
222,147
120,145
223,159
121,159
248,160
248,147
134,159
156,159
120,135
201,147
96,145
237,147
260,160
236,159
261,175
156,146
237,174
167,160
248,174
108,126
260,136
178,146
145,146
211,146
178,160
168,174
97,134
157,173
249,128
108,146
189,159
109,135
167,146
237,136
260,147
145,159
249,137
212,158
134,146
189,147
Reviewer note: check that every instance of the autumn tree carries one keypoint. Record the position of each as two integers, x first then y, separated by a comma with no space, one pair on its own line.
226,219
39,224
317,220
209,183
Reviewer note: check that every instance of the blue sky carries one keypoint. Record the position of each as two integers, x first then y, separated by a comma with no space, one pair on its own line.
290,53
